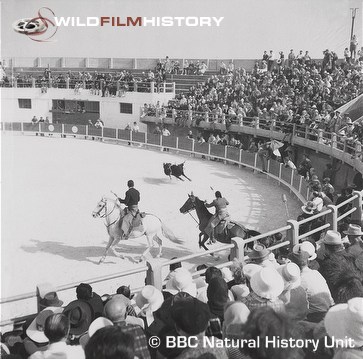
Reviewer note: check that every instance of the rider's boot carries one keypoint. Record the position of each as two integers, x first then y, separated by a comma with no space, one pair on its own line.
211,238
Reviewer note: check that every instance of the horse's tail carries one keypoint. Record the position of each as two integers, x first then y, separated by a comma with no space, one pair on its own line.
168,233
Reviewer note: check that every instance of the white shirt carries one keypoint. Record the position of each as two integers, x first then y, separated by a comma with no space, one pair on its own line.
319,296
60,350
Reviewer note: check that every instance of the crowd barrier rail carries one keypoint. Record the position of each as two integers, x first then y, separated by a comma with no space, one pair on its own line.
230,155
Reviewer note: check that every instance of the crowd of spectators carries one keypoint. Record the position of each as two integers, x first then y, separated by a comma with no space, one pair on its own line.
311,293
296,90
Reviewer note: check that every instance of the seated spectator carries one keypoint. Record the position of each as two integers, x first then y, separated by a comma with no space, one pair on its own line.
84,292
264,323
354,234
262,256
191,318
266,284
111,342
56,329
294,295
36,340
181,281
115,310
81,315
313,282
345,321
97,324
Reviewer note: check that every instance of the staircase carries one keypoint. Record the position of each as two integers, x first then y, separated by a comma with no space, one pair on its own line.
184,82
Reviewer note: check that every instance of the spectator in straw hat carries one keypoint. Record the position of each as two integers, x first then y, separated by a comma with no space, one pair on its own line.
36,339
56,329
97,324
345,321
191,318
308,246
354,234
294,295
266,284
181,281
318,292
115,310
262,256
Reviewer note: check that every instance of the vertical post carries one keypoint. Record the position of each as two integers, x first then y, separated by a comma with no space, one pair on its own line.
357,203
240,157
300,183
145,137
257,123
294,130
268,166
154,273
193,145
63,130
225,152
334,140
67,83
209,149
255,164
33,82
164,87
332,217
280,171
130,136
174,87
320,136
358,149
292,177
101,133
292,234
152,87
238,250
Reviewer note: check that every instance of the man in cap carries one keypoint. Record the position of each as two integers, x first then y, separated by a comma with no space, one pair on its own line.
132,199
116,310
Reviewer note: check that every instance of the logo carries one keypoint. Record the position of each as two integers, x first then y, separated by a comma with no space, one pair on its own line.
40,28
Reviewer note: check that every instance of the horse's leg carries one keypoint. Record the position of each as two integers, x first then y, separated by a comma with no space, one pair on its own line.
186,177
109,244
179,178
203,245
200,239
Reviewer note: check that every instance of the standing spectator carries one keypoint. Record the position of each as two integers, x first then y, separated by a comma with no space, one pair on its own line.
291,58
347,55
353,46
135,127
222,68
271,61
165,132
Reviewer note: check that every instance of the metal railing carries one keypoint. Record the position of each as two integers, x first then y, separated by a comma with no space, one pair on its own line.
153,268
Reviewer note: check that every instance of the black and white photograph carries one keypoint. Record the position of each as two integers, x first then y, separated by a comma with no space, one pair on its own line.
181,179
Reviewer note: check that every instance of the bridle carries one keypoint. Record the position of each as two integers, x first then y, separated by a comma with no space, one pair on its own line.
192,209
105,215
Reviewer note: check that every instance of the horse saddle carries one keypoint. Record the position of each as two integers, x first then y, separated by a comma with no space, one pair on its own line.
137,220
223,226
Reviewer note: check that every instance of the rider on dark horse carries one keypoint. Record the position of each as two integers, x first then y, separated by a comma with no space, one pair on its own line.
220,203
132,199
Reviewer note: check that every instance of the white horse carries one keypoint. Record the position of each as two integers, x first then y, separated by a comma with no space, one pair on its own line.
152,227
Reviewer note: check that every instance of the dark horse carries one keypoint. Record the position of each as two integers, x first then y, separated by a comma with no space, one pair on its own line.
175,170
234,229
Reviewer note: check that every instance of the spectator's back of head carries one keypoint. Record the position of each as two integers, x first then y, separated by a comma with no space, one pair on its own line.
110,343
348,286
124,290
212,272
174,266
56,327
115,309
84,291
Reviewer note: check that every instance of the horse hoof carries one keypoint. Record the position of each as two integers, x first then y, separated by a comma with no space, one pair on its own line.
102,259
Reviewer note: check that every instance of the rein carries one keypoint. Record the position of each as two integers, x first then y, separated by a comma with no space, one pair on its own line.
106,215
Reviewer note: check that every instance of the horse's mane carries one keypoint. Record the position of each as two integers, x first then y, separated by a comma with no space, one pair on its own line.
201,205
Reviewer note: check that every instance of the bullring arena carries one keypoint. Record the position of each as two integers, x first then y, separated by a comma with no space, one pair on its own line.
51,186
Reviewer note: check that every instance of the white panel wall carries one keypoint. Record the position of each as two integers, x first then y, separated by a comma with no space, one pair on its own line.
42,104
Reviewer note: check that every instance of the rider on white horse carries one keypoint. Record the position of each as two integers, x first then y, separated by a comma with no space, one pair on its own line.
132,198
220,203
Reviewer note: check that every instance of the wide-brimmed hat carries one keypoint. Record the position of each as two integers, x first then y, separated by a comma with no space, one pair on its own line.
307,247
182,281
354,230
309,207
345,321
259,252
98,323
332,238
250,269
267,283
349,121
80,316
50,300
35,330
290,273
150,297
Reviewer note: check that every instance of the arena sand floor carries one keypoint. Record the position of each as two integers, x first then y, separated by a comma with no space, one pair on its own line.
50,187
